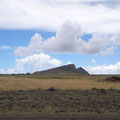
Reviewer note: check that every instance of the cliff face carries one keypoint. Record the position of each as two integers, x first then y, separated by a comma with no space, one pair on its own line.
81,70
63,69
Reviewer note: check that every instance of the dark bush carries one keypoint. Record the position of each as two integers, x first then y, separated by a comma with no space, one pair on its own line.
94,88
103,91
113,79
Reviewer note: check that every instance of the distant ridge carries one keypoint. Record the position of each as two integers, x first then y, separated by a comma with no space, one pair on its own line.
81,70
70,68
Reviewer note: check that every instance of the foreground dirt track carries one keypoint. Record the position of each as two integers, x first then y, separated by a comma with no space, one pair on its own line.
57,117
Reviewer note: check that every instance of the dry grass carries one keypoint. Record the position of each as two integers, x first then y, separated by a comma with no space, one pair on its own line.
82,82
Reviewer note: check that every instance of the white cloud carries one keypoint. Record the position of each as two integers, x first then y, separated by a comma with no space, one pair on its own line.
67,40
2,71
104,69
69,62
114,44
95,44
107,51
36,62
92,15
116,39
93,61
8,71
5,48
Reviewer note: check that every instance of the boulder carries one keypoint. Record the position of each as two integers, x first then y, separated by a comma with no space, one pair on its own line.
51,89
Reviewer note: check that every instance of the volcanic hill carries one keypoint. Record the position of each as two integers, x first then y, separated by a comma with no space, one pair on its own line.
63,69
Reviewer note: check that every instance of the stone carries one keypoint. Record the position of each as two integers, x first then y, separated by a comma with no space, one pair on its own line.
51,89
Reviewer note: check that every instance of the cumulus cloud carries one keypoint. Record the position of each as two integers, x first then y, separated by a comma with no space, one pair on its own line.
107,3
104,69
114,44
93,15
36,62
93,61
116,39
67,40
107,51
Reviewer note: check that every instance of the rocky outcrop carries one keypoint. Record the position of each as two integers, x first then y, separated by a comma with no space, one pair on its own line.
63,69
81,70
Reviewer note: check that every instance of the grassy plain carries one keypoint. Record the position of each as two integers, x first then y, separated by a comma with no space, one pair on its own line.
76,82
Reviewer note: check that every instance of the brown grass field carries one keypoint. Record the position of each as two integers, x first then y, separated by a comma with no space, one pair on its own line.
79,82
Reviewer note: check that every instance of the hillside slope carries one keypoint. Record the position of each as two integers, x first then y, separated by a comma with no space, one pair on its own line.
63,69
81,70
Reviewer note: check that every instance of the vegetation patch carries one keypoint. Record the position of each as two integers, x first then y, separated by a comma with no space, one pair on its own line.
60,101
113,79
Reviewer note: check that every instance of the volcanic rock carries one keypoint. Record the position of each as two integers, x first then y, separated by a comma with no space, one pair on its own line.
63,69
81,70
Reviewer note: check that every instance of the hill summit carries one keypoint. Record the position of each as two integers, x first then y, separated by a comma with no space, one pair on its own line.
70,68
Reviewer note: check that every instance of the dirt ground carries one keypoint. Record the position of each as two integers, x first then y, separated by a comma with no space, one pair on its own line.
57,117
98,101
95,104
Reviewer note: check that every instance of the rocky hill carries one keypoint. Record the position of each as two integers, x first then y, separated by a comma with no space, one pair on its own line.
63,69
81,70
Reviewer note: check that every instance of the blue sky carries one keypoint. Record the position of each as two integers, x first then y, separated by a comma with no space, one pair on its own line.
38,35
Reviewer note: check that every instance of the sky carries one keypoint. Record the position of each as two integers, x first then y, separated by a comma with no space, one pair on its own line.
36,35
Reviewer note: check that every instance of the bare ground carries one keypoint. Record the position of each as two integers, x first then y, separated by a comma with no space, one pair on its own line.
57,117
98,101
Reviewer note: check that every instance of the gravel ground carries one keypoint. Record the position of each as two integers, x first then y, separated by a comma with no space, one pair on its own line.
57,117
96,101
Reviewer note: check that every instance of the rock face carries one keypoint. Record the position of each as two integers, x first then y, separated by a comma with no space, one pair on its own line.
63,69
81,70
